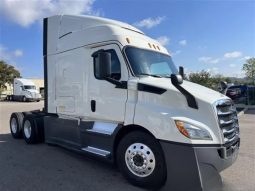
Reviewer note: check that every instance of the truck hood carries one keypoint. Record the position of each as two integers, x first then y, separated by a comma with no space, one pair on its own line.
203,93
199,92
33,91
162,109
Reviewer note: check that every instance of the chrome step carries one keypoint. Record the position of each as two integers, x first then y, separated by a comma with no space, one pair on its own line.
96,151
103,128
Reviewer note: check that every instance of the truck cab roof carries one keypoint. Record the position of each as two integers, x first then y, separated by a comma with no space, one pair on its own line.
23,81
83,21
66,32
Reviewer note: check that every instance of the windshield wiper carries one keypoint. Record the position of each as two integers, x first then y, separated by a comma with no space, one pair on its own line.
153,75
167,76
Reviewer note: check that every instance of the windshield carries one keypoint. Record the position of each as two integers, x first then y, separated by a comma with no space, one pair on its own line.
146,62
29,87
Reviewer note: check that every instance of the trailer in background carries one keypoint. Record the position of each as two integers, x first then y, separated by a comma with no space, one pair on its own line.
24,90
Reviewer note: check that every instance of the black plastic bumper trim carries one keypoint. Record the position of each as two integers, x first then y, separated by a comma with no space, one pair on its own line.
191,145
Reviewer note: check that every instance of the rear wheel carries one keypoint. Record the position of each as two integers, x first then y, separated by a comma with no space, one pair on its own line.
141,160
16,125
33,129
10,98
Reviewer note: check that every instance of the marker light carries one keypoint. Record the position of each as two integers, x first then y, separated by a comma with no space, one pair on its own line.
149,45
192,132
128,41
180,126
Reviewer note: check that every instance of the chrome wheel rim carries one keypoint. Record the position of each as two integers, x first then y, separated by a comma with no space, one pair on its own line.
140,159
27,129
14,125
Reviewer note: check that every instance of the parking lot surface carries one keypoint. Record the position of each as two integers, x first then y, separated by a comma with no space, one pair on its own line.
41,167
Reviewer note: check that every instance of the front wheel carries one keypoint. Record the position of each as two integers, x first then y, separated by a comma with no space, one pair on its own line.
141,160
24,99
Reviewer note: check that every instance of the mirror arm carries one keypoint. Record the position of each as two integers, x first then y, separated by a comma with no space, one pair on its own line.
113,81
119,84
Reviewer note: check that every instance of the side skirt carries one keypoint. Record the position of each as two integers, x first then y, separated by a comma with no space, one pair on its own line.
86,137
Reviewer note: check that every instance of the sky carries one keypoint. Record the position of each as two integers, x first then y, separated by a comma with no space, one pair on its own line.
212,35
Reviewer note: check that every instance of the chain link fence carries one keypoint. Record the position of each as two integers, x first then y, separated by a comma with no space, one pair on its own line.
251,95
242,94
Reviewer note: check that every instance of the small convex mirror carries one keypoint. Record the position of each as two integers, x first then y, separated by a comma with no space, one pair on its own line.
176,79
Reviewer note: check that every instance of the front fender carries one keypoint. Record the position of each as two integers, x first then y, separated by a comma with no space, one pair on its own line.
159,119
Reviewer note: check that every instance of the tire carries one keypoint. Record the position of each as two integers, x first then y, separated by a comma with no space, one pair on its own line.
40,129
37,100
10,98
16,125
150,157
24,99
7,98
33,129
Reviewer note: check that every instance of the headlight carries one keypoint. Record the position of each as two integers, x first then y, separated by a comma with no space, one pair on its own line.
192,131
29,94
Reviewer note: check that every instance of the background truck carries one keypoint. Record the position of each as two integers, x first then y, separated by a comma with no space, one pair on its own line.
24,90
113,92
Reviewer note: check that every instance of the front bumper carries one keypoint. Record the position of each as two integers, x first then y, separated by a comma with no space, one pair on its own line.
195,168
33,99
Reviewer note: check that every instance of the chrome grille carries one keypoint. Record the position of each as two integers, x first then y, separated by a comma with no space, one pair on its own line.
228,121
34,95
37,95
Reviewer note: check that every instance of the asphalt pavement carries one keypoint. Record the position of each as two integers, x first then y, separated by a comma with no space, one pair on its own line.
47,168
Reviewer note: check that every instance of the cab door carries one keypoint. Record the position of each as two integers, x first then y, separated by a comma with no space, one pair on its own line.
107,100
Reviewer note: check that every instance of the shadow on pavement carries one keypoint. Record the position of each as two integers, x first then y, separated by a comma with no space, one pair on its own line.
41,167
250,111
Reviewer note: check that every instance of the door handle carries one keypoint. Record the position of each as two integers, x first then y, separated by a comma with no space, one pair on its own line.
93,105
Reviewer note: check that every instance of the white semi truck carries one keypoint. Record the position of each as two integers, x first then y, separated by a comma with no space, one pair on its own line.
113,92
24,90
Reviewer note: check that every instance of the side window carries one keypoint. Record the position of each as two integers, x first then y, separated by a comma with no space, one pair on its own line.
115,67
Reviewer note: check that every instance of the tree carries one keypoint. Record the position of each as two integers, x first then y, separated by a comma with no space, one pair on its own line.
216,81
203,78
249,69
7,74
